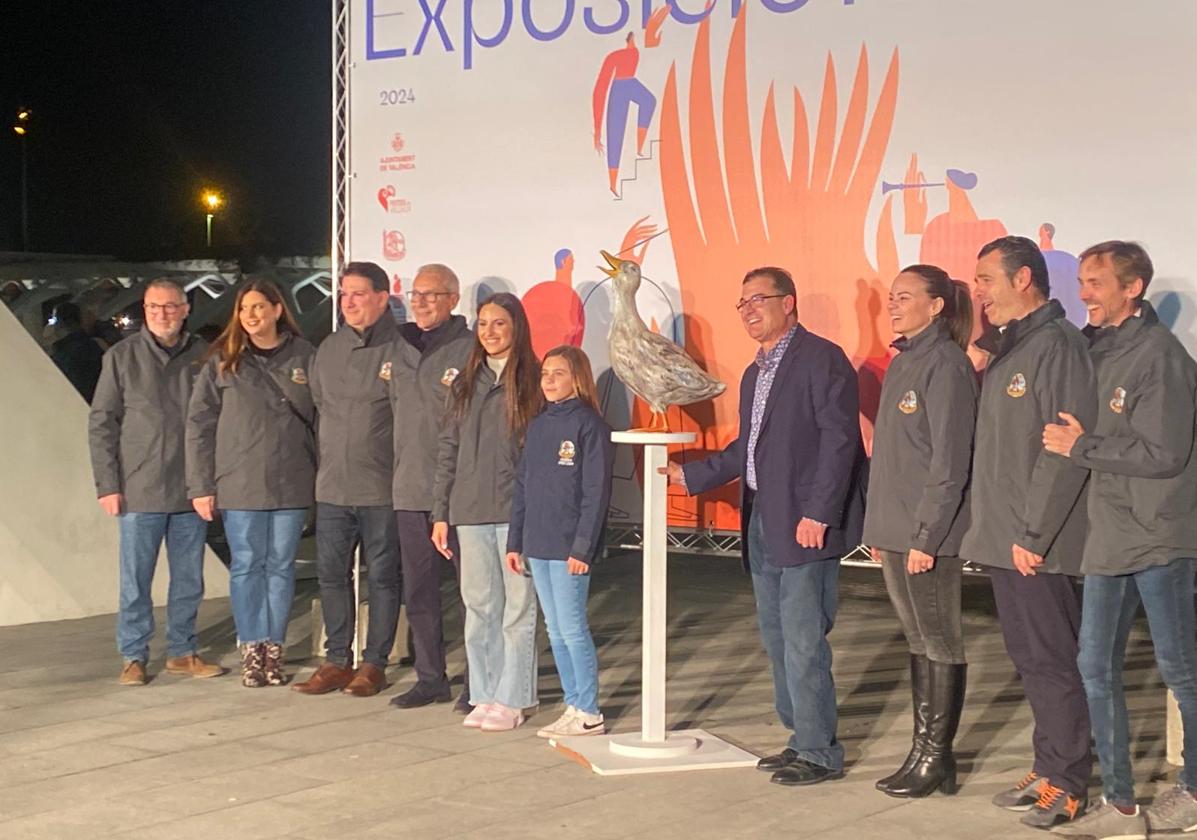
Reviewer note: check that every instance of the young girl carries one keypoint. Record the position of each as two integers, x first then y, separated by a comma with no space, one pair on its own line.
491,404
558,509
916,513
251,454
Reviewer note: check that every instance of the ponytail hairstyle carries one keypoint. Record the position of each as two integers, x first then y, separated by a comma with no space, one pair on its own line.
231,344
957,310
579,369
521,374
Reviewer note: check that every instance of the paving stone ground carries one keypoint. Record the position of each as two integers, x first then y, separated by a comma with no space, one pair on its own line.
82,757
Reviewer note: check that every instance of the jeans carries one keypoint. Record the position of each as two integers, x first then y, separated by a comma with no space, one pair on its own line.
563,601
262,574
141,536
338,530
928,606
795,608
1166,593
500,623
1040,617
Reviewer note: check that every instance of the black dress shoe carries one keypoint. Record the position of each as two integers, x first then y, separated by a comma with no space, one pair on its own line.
463,706
422,694
802,772
771,763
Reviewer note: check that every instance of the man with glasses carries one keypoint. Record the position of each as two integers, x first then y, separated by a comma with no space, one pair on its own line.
136,432
350,378
430,354
800,457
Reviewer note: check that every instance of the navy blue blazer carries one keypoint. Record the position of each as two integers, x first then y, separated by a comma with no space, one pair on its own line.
810,459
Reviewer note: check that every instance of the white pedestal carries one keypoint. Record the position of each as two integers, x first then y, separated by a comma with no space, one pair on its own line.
653,750
1175,733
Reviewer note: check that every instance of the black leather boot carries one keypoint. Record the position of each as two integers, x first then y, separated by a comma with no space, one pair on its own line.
935,768
920,691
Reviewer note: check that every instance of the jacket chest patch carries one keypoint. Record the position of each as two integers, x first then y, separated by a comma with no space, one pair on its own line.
909,403
299,376
384,372
566,453
449,375
1118,401
1017,386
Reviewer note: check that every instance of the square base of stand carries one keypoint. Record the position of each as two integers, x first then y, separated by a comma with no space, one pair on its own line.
709,753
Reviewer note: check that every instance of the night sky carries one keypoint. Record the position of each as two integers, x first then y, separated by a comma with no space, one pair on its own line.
139,105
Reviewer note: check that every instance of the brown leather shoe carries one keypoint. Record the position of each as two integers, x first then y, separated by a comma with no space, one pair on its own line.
193,666
133,673
369,680
328,677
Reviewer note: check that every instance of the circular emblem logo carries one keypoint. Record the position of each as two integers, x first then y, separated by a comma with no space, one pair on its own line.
384,372
565,453
449,375
909,403
1118,401
1017,386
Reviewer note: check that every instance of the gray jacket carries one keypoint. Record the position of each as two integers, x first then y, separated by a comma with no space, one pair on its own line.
1143,485
137,419
350,377
246,443
419,390
476,460
922,447
1021,493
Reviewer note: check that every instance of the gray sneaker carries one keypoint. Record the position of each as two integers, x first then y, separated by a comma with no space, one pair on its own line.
1173,812
1054,806
1105,822
1023,795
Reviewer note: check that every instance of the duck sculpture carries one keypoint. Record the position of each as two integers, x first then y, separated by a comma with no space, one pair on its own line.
657,370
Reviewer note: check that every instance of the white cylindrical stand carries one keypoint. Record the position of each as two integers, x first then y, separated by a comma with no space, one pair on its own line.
653,749
652,741
1175,730
356,647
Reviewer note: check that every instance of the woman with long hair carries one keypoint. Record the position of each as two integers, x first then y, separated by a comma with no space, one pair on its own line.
490,404
251,454
558,509
917,513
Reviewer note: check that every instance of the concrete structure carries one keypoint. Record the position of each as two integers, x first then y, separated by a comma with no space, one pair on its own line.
58,550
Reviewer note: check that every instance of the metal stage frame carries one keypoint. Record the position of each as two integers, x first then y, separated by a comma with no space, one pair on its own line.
709,542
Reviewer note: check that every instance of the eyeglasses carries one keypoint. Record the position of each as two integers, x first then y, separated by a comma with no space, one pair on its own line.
167,308
429,296
755,301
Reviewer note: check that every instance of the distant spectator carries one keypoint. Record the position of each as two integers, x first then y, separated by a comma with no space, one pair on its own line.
76,353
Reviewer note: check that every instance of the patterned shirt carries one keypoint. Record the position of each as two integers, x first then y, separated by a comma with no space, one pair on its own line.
768,364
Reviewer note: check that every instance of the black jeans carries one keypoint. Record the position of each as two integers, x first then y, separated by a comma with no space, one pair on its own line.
422,565
928,605
1040,617
338,530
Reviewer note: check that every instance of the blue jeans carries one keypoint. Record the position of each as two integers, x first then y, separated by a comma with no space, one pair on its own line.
141,536
563,601
795,608
1166,593
262,574
500,622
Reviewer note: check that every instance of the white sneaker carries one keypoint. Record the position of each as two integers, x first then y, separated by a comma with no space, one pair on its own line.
476,716
502,718
556,727
583,723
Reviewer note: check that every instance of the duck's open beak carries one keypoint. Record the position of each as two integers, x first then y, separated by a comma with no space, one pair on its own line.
611,261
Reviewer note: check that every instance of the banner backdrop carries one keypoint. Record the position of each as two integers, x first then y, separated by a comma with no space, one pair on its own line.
841,139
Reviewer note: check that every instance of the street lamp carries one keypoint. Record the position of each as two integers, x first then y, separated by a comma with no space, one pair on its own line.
212,201
21,129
